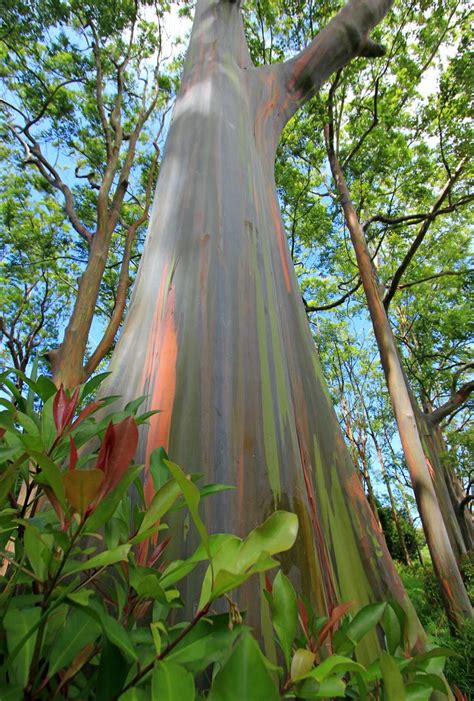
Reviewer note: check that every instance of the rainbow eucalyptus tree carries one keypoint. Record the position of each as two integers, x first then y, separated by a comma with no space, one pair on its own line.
216,334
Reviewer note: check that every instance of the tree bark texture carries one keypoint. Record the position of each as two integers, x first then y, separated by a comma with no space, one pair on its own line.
217,337
455,597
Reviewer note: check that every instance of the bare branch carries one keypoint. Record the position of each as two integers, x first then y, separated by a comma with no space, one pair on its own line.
434,277
421,235
331,305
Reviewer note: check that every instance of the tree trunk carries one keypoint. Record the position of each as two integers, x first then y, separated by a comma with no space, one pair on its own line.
455,597
436,447
217,337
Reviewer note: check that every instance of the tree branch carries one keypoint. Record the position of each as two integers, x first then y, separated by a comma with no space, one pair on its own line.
345,37
454,403
331,305
121,298
421,235
434,277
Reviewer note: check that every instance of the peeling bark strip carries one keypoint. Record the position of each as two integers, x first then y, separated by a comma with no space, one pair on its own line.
217,335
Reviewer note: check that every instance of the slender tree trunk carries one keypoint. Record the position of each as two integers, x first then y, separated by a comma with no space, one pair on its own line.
217,337
436,447
455,597
67,360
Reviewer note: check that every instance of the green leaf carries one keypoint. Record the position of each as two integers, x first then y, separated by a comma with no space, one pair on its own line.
27,423
7,479
277,534
416,691
332,687
192,498
335,664
17,624
113,670
78,632
38,550
392,629
108,506
161,503
302,663
52,474
208,642
109,557
48,428
209,489
284,610
158,470
226,581
244,676
394,688
11,692
421,662
113,630
45,388
93,384
170,682
364,621
135,694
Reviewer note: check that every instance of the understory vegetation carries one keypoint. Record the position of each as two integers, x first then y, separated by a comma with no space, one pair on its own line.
88,594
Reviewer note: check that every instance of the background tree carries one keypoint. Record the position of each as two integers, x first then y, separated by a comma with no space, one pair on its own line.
84,99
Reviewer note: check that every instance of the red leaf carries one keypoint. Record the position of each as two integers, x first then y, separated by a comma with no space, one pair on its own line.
71,408
116,452
56,506
158,551
59,407
72,454
336,614
64,408
303,615
89,409
268,584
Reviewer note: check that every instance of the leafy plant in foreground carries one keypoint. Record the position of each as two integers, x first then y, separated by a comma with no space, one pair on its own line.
83,613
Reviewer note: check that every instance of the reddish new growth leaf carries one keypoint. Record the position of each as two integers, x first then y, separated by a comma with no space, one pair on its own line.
64,408
157,552
89,409
268,584
334,619
116,452
303,617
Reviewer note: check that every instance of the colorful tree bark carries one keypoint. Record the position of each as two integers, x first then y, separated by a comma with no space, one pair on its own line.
216,335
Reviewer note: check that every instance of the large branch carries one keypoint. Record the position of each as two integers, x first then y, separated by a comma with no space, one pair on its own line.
454,402
421,235
345,37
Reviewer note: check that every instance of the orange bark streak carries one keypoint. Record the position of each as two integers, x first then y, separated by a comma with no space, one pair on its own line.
281,241
164,388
